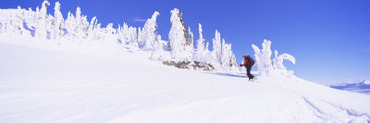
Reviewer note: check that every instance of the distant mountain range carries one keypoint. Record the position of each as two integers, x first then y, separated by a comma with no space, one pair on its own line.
361,87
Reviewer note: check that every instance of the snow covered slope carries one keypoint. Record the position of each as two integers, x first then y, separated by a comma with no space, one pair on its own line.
41,82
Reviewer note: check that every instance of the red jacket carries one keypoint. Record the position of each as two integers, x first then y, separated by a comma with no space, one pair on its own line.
245,62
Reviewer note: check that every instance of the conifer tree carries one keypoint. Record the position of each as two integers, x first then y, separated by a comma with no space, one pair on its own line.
58,22
179,41
148,35
41,20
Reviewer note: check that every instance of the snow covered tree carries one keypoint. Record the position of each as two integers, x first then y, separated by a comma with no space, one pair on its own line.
14,26
217,48
78,33
179,40
58,22
98,33
189,46
139,32
158,53
82,25
77,26
30,21
148,35
228,59
92,30
201,41
70,25
132,36
110,35
18,22
202,52
263,59
42,20
222,57
278,61
127,35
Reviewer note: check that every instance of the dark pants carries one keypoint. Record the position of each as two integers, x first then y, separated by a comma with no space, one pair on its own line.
249,67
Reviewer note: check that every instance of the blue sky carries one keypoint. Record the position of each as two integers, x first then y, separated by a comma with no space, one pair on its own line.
329,39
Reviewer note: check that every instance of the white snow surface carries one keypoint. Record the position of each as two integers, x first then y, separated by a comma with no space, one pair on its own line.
41,81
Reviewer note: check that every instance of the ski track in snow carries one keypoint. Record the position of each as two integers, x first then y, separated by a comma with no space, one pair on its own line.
44,83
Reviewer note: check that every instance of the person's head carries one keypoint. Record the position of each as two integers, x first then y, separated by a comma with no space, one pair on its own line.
244,56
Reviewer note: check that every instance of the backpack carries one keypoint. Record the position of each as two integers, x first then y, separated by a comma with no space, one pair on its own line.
250,60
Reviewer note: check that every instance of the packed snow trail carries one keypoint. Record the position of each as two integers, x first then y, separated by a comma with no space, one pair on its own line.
42,84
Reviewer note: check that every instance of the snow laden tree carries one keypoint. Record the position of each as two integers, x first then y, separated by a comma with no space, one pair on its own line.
263,60
77,26
158,53
29,18
15,23
109,35
92,30
202,52
263,57
278,62
58,22
148,35
95,33
27,22
82,25
127,35
222,54
189,47
70,26
228,59
216,52
43,21
180,44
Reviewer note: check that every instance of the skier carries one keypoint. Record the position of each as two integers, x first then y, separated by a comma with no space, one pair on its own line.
248,63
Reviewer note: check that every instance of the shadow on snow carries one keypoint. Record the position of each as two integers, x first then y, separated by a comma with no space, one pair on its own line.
231,75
